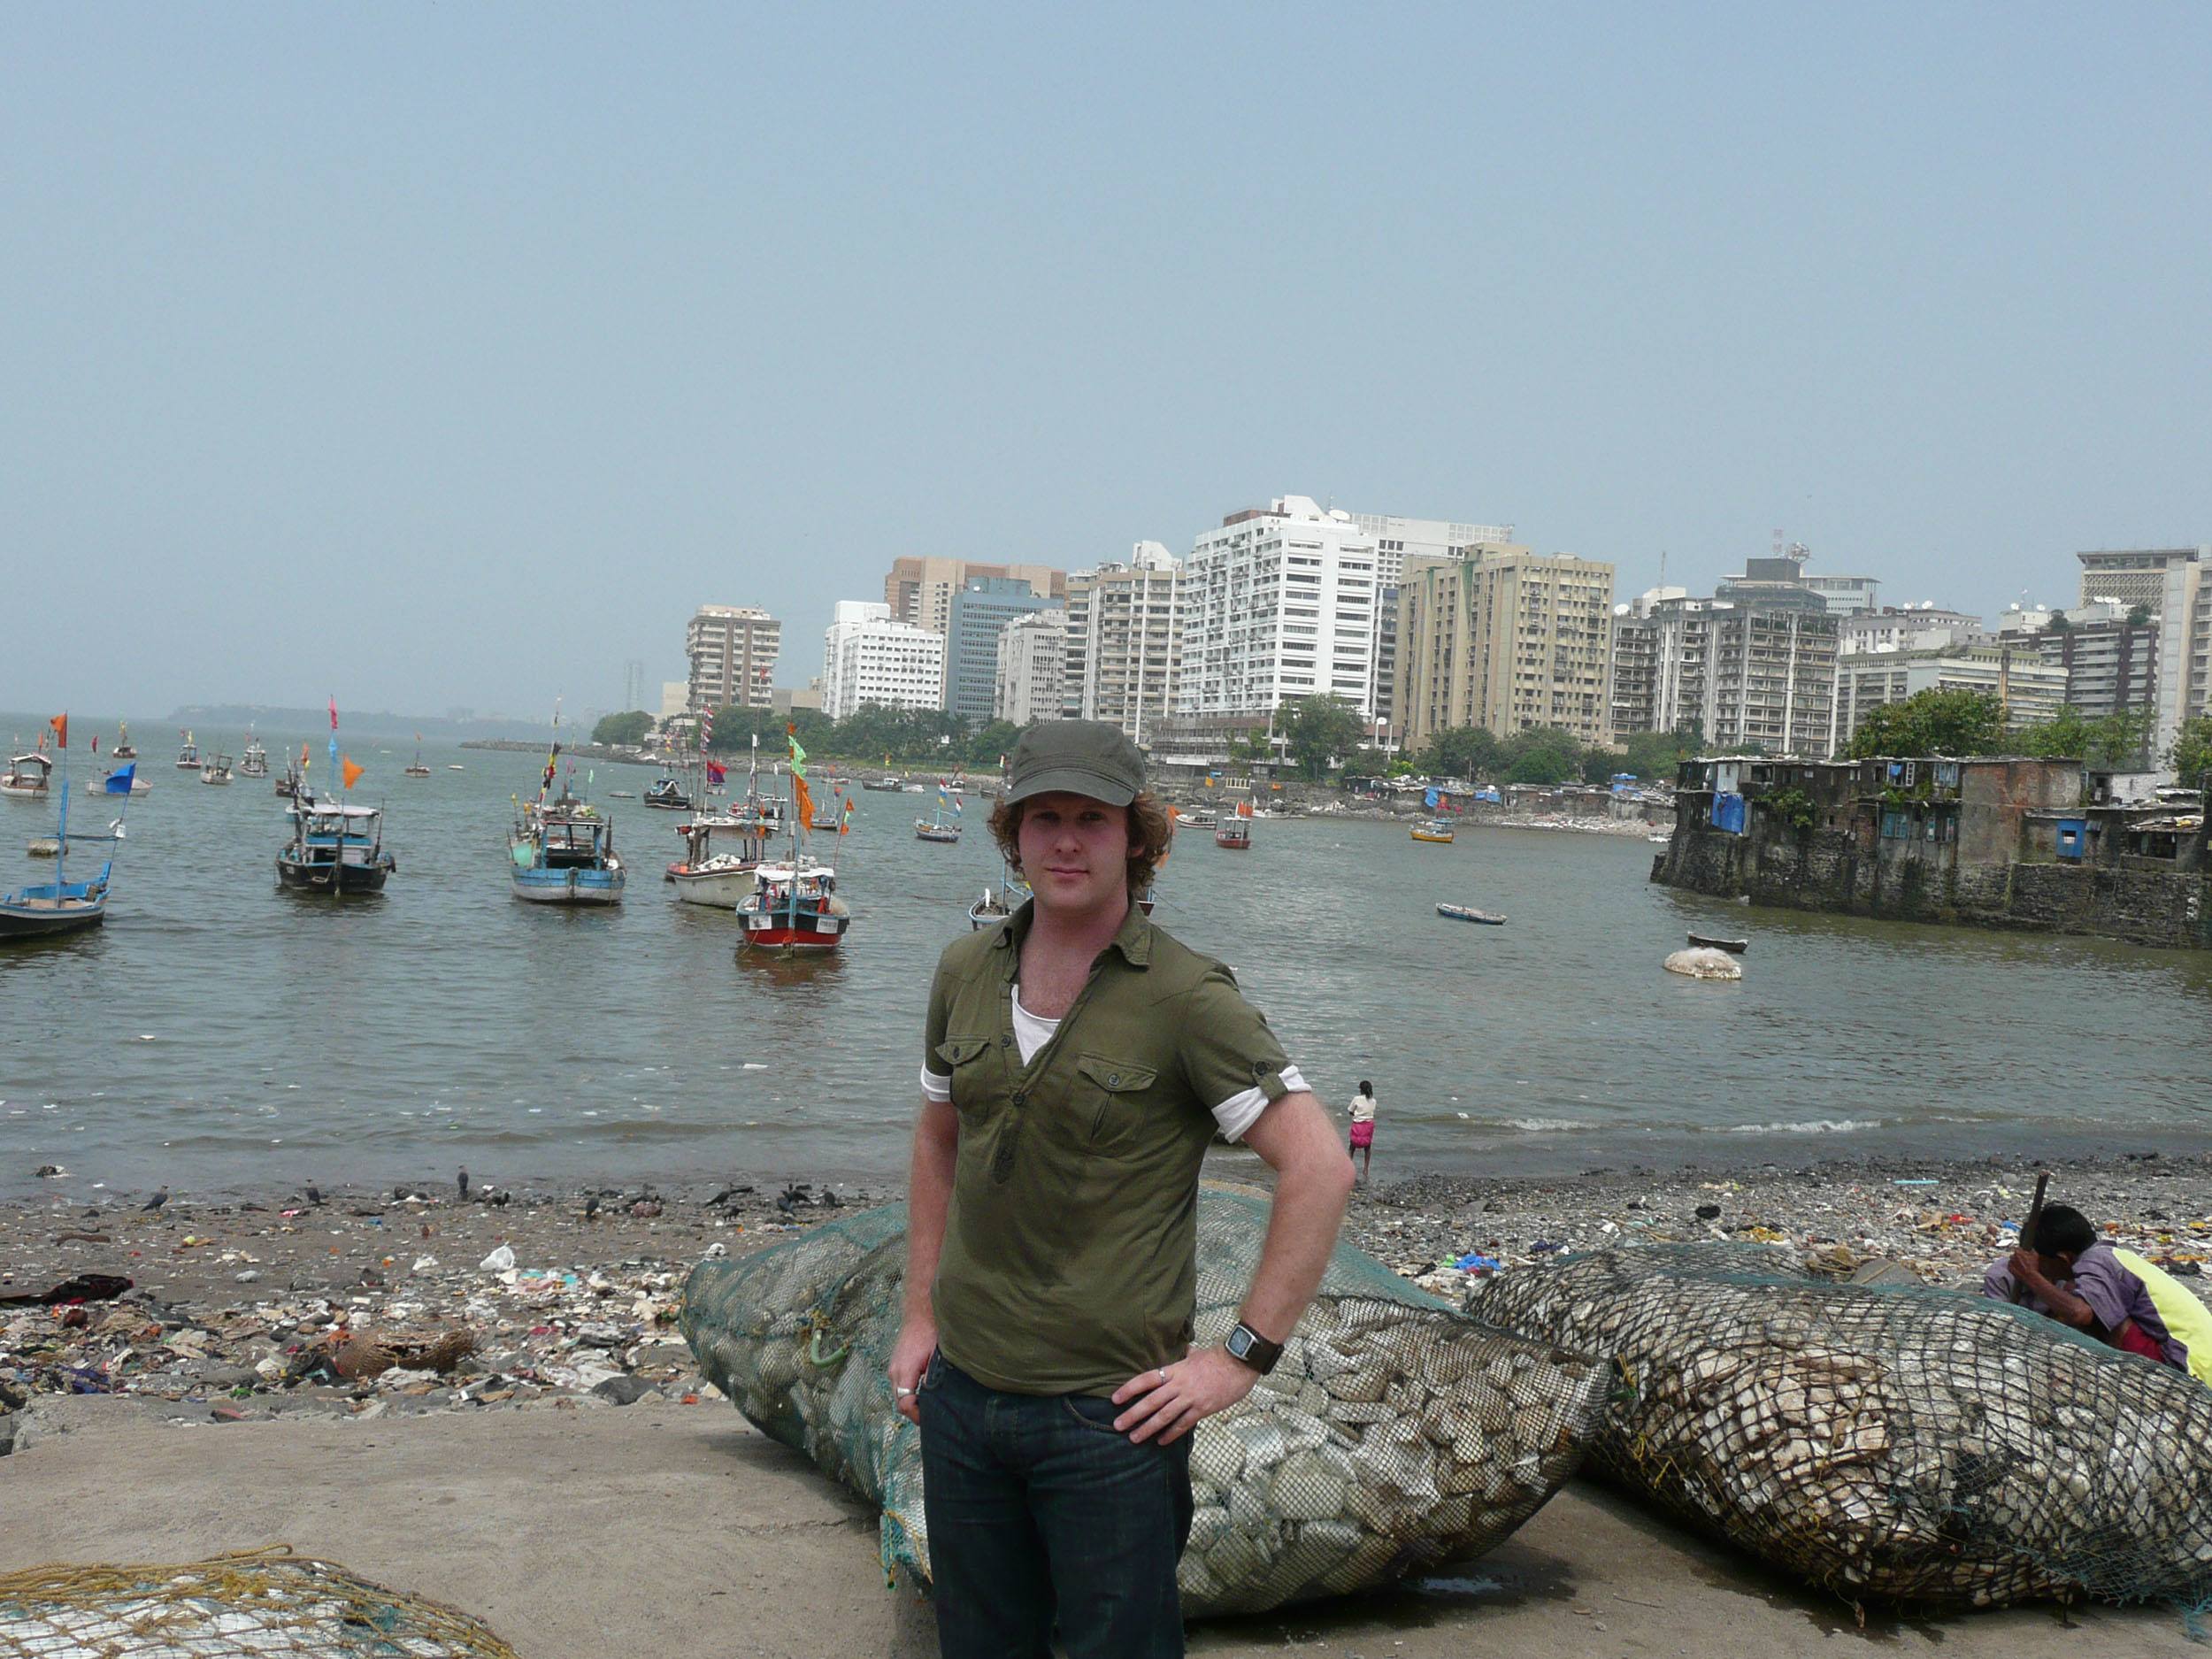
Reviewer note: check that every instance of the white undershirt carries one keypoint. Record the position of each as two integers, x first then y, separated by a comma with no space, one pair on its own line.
1234,1115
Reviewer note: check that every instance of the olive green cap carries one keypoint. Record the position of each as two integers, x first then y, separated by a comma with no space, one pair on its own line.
1090,757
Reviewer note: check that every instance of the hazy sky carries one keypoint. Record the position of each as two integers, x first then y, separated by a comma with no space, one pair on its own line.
450,355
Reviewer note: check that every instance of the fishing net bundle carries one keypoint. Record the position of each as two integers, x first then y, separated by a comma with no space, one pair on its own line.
1394,1432
1906,1443
263,1604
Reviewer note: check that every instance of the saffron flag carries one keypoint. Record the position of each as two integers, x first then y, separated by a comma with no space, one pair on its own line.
845,818
804,800
120,782
60,723
350,771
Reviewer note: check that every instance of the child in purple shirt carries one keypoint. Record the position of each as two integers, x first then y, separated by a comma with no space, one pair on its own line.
2063,1272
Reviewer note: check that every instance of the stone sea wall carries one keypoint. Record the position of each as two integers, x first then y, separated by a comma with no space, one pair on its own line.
1836,870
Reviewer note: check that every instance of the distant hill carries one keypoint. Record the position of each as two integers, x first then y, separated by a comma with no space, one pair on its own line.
379,723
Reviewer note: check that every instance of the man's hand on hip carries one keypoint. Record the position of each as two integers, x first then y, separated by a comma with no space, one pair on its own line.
1168,1403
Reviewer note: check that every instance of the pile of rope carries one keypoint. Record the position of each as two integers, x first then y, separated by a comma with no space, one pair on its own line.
265,1602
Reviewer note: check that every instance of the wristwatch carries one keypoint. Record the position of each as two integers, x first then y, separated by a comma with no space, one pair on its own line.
1251,1348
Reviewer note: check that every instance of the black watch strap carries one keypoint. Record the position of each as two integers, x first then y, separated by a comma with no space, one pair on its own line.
1249,1345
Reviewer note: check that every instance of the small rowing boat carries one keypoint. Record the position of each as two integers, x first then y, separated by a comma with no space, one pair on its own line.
1709,941
1468,913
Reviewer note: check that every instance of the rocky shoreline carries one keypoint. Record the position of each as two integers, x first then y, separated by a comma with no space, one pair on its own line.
366,1304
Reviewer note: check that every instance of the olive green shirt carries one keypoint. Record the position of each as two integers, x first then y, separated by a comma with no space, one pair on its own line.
1070,1258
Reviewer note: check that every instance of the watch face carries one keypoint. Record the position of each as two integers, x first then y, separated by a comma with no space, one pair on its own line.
1239,1343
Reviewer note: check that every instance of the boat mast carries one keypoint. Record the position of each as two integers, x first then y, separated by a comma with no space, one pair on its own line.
61,845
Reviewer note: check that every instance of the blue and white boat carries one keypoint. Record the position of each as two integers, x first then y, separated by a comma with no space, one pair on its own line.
63,906
562,852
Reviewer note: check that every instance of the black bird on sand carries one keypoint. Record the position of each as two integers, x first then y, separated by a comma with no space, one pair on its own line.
314,1194
591,1206
463,1178
160,1197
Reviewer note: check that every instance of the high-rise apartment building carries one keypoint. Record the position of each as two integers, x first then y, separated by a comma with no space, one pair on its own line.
1125,641
1505,639
733,651
2108,650
2030,689
1735,672
2171,584
919,591
1279,604
868,659
1903,628
1398,539
1032,653
980,610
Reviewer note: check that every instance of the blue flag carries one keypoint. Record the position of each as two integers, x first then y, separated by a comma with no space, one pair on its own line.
120,782
333,749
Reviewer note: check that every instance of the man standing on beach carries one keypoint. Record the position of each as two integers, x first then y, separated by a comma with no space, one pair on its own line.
1078,1062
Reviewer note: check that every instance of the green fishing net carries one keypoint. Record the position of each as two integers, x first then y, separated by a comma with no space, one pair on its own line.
1394,1434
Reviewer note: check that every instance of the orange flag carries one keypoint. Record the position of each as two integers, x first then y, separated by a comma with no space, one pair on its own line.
350,771
60,723
804,799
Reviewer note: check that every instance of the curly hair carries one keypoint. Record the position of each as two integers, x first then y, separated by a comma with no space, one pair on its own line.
1151,827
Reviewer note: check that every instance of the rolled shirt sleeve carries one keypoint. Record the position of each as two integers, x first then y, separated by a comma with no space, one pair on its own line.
936,1086
1230,1059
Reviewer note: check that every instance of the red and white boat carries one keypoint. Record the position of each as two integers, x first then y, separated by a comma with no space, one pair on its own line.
794,908
1235,832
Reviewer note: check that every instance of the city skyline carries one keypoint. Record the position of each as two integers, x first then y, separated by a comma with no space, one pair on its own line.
470,355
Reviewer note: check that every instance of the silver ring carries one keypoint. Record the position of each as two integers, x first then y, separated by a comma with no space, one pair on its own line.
1160,1374
900,1392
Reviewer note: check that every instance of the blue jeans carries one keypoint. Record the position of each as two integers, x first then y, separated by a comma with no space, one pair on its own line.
1040,1513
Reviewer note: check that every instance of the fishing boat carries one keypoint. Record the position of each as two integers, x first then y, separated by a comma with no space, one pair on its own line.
26,778
1660,841
988,910
562,853
668,795
1468,913
622,795
124,749
415,768
1200,819
935,828
132,784
62,906
289,784
217,769
1710,941
885,785
1431,829
336,848
721,854
188,755
1235,831
455,765
793,907
255,762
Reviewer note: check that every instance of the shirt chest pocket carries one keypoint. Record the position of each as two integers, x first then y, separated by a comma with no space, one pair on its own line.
1113,1098
966,1060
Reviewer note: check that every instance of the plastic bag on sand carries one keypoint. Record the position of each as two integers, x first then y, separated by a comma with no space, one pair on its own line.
1909,1443
1394,1433
500,1260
